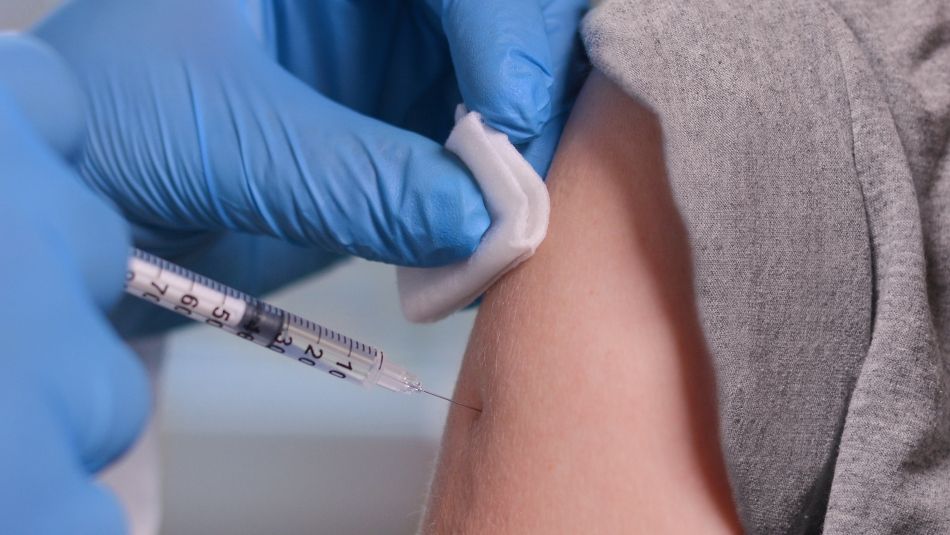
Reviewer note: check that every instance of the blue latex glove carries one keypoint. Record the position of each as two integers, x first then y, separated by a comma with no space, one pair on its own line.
196,127
517,62
72,396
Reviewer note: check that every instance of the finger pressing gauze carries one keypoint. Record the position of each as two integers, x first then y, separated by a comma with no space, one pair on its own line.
519,206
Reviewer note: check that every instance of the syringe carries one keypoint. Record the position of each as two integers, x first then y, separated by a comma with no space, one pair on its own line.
199,298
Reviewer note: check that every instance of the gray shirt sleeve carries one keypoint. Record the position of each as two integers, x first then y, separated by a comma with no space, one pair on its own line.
806,144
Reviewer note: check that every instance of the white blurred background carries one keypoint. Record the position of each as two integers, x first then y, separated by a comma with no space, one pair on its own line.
252,443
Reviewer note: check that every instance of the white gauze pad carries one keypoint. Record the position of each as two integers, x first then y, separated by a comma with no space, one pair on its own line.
518,203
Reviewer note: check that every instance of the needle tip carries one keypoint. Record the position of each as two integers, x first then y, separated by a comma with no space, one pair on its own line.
450,400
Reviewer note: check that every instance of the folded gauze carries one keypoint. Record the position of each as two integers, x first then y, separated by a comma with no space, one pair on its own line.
518,203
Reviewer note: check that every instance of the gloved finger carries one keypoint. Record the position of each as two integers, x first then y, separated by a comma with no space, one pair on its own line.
91,383
502,60
103,387
94,237
44,90
75,396
569,62
569,69
45,486
58,340
71,394
355,185
292,164
539,152
225,139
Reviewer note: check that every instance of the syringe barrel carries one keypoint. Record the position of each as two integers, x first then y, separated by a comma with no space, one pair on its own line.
201,299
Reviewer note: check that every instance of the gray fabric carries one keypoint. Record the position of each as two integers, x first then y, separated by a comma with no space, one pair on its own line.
807,145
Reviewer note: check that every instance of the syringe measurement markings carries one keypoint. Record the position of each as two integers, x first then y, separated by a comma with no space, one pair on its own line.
165,265
186,283
201,298
168,276
339,339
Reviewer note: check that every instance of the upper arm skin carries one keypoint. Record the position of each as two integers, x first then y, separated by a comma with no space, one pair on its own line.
599,406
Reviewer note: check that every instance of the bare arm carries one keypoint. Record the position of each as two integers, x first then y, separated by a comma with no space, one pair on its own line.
599,408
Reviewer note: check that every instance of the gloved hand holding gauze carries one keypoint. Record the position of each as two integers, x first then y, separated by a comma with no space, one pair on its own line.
518,203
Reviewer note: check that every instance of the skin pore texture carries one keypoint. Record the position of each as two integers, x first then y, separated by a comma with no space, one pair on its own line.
599,403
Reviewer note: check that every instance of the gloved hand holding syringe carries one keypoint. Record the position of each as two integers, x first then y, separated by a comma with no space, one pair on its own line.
201,299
